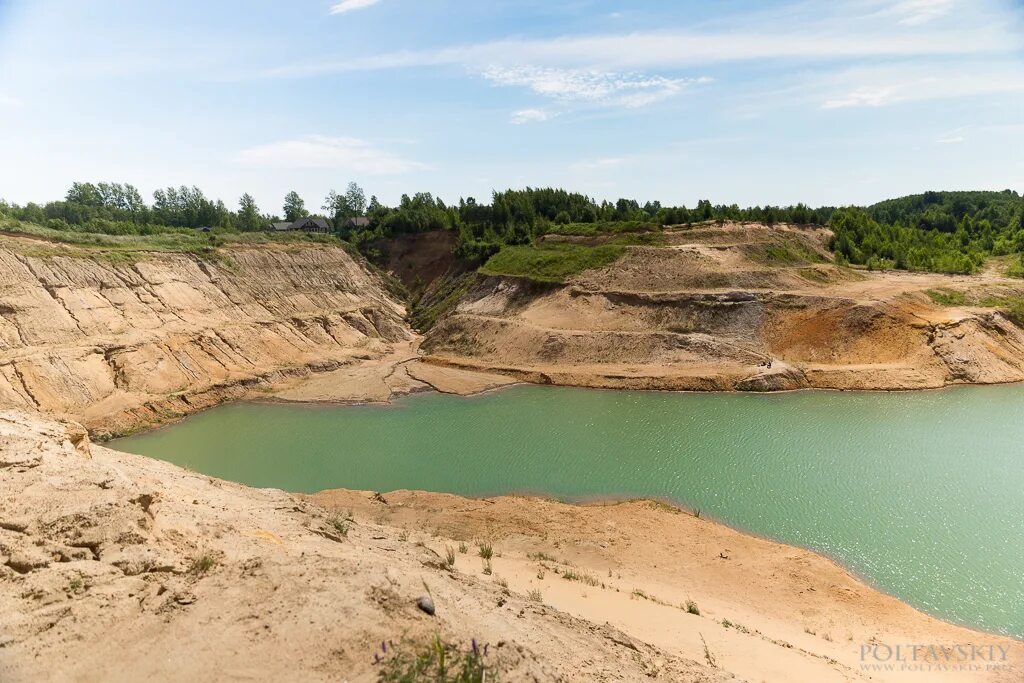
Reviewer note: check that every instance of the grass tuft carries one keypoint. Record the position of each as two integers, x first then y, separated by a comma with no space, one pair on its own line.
437,661
947,297
203,564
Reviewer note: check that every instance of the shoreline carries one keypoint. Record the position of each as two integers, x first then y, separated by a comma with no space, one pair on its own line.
456,511
767,609
597,500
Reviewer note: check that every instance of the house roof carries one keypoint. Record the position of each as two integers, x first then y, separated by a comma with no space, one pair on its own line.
281,226
361,221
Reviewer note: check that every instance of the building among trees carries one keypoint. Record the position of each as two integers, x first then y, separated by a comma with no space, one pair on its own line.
305,224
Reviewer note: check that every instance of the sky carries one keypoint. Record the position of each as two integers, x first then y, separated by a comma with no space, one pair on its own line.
829,102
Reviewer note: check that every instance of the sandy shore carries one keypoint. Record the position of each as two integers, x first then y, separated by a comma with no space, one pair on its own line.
768,611
397,373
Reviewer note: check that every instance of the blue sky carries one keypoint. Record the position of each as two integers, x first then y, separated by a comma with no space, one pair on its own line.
826,102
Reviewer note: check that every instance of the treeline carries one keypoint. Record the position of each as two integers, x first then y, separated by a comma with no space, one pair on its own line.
936,231
519,216
116,208
944,232
119,209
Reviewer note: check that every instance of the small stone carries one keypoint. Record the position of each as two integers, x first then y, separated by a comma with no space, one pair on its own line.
426,604
184,598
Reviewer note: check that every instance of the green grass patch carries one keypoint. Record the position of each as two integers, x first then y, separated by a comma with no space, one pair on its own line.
555,262
947,297
1012,307
425,310
789,254
604,228
133,248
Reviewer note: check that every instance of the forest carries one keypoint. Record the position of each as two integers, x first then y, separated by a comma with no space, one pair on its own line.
950,232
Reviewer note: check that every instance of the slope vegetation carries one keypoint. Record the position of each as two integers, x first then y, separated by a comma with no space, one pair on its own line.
711,306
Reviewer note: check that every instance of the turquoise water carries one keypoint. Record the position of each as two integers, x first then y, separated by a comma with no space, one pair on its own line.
920,493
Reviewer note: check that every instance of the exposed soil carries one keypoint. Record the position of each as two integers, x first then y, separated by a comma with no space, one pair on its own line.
713,306
119,346
419,259
115,567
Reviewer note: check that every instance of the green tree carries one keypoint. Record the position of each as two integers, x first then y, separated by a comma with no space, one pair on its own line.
294,207
249,218
351,204
355,198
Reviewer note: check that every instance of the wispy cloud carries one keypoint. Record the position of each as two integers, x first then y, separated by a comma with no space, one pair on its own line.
917,12
900,83
8,101
863,97
590,86
321,152
598,164
953,137
530,116
350,5
664,50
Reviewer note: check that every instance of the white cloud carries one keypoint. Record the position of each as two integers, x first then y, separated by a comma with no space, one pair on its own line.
900,83
7,101
776,38
530,116
863,97
589,86
951,140
350,5
322,152
598,164
917,12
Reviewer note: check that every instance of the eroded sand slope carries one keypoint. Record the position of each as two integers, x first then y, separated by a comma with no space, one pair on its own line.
117,344
711,306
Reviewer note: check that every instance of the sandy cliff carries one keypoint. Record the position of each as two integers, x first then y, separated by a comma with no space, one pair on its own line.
119,343
709,307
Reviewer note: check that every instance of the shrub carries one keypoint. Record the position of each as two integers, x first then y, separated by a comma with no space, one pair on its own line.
437,662
203,564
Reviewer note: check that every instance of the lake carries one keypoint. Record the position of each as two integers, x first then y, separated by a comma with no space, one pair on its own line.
922,493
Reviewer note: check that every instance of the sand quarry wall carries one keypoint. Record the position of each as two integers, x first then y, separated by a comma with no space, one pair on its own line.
115,343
